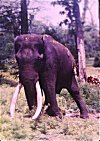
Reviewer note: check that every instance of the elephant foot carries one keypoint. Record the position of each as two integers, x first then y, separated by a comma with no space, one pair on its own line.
84,116
54,113
59,118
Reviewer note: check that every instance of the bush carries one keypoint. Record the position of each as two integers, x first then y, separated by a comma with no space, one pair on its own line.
90,94
97,61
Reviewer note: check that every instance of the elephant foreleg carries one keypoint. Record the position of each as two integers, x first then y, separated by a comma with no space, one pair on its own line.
50,95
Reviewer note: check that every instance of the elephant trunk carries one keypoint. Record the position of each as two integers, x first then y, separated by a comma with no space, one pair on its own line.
15,96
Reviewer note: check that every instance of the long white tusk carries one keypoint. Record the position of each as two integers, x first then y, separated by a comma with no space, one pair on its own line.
39,101
14,99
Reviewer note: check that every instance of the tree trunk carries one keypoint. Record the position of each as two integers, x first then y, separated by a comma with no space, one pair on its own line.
16,30
24,17
80,43
86,2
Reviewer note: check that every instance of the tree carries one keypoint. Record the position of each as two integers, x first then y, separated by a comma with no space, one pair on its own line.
80,43
24,17
73,20
86,2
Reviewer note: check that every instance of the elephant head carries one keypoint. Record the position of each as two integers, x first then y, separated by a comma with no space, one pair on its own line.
30,56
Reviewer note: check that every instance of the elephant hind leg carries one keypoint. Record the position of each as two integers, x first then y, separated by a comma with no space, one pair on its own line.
74,91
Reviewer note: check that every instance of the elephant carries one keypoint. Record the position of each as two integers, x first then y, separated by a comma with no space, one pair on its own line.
45,66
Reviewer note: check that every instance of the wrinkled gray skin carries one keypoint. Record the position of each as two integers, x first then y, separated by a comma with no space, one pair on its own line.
42,58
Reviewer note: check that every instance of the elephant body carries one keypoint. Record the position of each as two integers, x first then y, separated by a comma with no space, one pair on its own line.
41,58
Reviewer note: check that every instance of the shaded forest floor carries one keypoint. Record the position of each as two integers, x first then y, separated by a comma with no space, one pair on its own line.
22,128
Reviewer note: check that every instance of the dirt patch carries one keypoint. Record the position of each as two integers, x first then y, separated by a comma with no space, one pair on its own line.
93,71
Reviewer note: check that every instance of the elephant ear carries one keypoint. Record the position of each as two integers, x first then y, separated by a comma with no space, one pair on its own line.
47,41
46,38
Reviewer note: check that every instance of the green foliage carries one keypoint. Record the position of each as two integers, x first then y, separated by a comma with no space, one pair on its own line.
90,95
6,46
91,40
68,11
19,134
6,51
84,137
10,16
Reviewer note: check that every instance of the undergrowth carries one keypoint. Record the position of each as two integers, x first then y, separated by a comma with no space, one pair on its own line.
90,94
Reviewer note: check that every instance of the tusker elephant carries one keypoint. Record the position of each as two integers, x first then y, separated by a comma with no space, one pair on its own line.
45,66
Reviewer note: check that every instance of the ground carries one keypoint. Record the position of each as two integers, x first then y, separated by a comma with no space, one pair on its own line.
23,128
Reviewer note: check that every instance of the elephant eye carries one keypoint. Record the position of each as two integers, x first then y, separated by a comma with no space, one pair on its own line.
33,50
40,48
